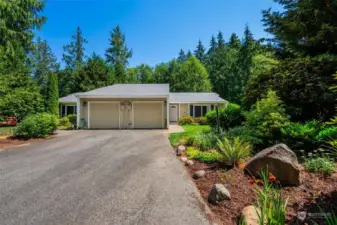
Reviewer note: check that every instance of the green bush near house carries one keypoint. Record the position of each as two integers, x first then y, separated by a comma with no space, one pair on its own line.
37,125
64,123
73,119
229,116
205,157
186,120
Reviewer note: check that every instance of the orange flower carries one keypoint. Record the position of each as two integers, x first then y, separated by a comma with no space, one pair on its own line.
272,178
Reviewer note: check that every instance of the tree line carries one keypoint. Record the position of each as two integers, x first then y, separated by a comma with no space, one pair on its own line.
297,63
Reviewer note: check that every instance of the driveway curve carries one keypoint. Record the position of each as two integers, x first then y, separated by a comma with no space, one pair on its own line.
97,177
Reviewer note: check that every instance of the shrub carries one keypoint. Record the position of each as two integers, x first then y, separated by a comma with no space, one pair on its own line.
243,132
185,120
21,103
64,123
267,117
190,140
302,136
230,116
206,157
203,121
327,134
233,151
73,119
37,125
205,140
320,164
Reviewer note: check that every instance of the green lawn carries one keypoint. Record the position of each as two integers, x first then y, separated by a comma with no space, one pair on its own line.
6,131
190,130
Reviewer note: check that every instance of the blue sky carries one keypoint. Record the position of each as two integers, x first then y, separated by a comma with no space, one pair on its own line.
155,29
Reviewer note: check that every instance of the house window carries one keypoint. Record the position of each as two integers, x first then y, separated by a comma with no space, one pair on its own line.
204,110
212,107
191,110
198,110
68,109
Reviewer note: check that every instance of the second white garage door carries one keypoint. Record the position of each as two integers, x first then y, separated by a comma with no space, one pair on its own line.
104,115
148,115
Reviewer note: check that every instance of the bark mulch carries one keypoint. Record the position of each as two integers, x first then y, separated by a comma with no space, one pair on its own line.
315,189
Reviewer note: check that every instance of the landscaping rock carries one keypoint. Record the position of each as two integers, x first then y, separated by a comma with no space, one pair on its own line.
180,149
249,215
280,161
184,159
199,174
218,194
189,163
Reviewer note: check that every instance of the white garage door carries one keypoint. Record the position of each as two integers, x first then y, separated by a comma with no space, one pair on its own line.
148,114
104,115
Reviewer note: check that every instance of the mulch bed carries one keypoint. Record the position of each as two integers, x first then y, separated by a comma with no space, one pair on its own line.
7,142
315,189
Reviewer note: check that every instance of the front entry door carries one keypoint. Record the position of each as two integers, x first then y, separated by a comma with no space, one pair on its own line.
173,113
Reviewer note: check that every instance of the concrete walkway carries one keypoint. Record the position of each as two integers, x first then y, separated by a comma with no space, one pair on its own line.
97,177
175,128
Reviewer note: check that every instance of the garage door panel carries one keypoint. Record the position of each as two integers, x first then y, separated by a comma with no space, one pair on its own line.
104,115
148,115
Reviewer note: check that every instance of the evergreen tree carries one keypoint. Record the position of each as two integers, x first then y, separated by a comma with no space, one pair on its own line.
213,46
95,74
52,98
307,28
44,63
221,41
234,41
74,53
181,57
19,92
200,52
246,54
189,54
18,19
118,52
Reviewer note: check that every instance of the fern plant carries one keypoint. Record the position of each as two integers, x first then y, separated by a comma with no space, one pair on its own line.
234,150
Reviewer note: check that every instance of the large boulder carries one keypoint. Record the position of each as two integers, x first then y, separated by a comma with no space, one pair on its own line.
218,194
249,215
280,161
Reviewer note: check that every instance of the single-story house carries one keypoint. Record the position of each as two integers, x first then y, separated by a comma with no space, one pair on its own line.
128,106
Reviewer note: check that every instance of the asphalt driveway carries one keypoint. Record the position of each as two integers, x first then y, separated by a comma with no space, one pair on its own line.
97,177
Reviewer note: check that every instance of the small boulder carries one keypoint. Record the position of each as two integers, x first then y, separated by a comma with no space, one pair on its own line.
218,193
180,149
184,159
189,163
199,174
280,161
249,215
